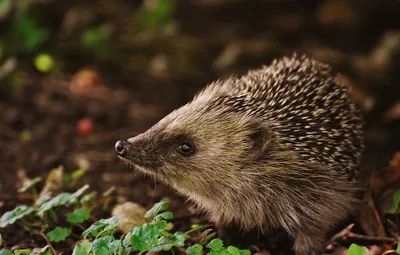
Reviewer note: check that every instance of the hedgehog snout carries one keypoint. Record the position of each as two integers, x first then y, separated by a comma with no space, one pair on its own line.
121,148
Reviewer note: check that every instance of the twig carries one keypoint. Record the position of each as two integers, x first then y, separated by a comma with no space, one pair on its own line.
53,251
372,203
346,232
341,234
389,252
371,238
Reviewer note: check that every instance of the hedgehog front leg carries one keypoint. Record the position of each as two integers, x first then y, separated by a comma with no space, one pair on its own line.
309,242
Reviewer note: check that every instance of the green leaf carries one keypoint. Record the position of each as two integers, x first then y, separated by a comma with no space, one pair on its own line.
58,234
161,247
166,234
165,215
233,250
125,250
194,250
180,239
161,224
127,240
86,198
78,193
158,207
221,252
5,252
12,216
78,215
77,174
245,252
396,200
215,244
22,251
43,199
115,245
144,237
168,240
139,244
29,184
93,37
82,248
105,245
61,199
398,248
29,35
105,225
46,252
74,176
354,249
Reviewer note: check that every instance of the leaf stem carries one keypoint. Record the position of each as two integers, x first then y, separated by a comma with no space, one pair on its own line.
53,251
199,227
208,237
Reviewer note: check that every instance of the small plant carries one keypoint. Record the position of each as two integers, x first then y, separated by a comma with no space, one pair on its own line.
103,236
154,236
42,217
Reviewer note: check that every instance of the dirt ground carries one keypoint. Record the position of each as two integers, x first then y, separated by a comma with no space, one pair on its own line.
153,74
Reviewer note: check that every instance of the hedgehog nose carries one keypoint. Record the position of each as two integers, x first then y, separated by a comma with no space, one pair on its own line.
120,148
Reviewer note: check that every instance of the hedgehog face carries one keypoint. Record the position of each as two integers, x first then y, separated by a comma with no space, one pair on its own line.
199,151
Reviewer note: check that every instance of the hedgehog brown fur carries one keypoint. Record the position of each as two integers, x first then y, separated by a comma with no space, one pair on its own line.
276,148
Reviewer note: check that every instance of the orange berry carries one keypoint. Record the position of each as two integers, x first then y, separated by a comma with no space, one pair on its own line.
85,126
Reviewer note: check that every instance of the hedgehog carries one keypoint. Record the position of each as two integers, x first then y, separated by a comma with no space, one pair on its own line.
276,148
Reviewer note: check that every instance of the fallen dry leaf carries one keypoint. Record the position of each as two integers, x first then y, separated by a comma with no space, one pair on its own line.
88,83
54,181
130,215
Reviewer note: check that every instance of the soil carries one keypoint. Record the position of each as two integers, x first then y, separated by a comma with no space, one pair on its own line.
157,73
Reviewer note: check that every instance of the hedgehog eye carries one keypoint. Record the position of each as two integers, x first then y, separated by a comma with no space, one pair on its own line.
186,148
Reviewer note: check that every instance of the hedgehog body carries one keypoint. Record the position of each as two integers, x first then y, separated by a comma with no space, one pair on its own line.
278,147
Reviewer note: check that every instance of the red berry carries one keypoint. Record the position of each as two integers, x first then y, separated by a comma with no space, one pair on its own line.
85,126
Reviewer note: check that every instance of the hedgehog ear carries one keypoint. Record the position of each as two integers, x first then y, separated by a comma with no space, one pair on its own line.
260,136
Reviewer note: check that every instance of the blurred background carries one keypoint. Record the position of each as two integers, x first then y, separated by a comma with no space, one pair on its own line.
77,75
